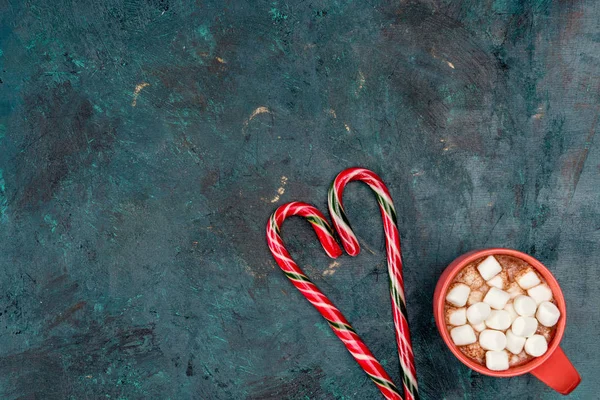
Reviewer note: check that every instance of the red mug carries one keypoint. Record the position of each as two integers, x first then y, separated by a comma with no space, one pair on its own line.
553,368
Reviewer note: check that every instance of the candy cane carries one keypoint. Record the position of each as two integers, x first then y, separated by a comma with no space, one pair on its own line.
338,323
392,244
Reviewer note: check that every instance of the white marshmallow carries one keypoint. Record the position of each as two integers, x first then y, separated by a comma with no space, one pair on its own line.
536,346
480,327
496,298
514,343
463,335
540,293
478,312
525,306
528,280
548,314
511,311
458,317
492,340
524,326
496,360
489,268
497,282
458,295
499,319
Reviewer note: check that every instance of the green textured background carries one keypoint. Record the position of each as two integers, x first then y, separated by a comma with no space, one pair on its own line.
145,142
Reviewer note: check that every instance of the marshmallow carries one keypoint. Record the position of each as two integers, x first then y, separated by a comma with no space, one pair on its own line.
540,293
496,360
514,343
489,268
499,319
514,290
524,326
480,327
528,279
548,314
496,282
478,312
496,298
536,346
458,316
492,340
511,311
463,335
525,306
458,295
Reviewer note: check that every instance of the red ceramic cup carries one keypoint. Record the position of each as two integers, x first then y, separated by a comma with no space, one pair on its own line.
553,368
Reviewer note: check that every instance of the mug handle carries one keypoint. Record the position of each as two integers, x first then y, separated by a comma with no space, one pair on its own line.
558,373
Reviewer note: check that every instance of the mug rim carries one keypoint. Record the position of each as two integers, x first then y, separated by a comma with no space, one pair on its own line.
446,279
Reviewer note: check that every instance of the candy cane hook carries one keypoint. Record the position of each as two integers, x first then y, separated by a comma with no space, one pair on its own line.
338,323
392,244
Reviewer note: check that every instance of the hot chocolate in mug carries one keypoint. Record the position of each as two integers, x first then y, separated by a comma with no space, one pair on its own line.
553,368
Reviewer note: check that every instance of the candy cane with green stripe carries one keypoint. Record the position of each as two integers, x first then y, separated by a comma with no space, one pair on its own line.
340,326
394,261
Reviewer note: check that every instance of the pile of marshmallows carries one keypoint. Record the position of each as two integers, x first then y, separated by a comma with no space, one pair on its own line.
494,316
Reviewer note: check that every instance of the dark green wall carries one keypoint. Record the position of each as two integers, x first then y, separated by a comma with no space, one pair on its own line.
143,145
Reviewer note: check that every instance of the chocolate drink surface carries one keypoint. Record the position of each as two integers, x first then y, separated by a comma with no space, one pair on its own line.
500,312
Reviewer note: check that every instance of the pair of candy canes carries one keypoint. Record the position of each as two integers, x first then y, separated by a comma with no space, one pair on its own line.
338,323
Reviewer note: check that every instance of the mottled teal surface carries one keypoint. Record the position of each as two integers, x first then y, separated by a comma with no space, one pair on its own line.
145,142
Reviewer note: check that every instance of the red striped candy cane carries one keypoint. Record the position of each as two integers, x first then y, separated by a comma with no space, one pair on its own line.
338,323
392,244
